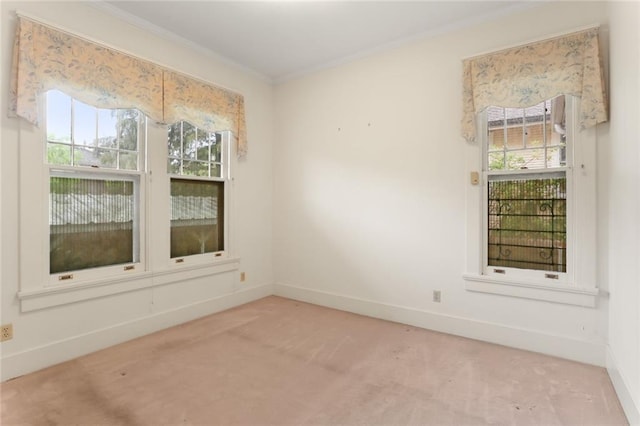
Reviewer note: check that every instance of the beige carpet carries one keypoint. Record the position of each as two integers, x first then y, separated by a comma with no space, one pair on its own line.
278,362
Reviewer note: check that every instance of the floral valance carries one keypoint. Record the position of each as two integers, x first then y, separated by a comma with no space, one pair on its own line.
208,107
524,76
45,58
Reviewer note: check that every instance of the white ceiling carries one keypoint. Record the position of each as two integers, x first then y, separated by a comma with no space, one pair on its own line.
283,39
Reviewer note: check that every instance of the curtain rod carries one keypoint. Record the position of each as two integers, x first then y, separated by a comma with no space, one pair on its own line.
57,27
535,41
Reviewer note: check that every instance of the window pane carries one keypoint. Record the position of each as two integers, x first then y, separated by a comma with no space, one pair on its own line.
196,217
535,135
515,135
557,120
216,148
107,158
175,140
107,128
83,156
512,126
128,128
59,154
195,168
91,223
496,139
495,116
527,223
173,166
527,159
58,117
84,124
216,170
496,161
536,119
203,146
189,140
202,150
128,161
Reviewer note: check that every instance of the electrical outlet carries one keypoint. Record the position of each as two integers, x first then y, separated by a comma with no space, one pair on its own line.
6,332
243,276
436,296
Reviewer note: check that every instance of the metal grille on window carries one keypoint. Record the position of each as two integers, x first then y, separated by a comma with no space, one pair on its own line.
91,223
527,223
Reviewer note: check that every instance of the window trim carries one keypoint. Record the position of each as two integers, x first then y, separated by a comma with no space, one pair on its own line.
47,297
525,289
139,223
227,179
140,210
35,292
579,284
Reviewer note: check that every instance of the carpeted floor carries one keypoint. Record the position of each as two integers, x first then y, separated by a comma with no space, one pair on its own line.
277,361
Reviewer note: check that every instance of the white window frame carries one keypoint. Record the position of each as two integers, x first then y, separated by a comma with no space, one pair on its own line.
578,285
227,179
36,291
138,264
34,211
137,176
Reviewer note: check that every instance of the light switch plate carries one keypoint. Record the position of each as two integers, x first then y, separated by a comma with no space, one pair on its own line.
475,178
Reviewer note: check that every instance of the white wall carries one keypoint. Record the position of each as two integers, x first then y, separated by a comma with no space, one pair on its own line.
365,186
47,336
370,180
620,198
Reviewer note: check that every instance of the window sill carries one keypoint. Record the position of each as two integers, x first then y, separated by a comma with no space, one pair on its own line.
47,297
532,290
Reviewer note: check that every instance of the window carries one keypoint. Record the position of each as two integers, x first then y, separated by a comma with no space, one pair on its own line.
91,175
95,212
531,220
198,169
531,228
526,198
94,163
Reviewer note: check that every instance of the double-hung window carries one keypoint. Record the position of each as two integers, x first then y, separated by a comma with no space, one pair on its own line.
94,159
526,192
111,199
529,113
198,167
534,205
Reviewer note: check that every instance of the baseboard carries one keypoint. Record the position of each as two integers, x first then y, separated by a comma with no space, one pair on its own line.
38,358
631,409
591,353
563,347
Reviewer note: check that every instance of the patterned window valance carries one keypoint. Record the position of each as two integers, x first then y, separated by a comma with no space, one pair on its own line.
45,58
207,107
524,76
